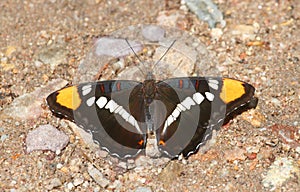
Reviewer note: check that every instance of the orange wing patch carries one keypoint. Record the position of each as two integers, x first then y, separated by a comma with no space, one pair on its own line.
232,90
69,98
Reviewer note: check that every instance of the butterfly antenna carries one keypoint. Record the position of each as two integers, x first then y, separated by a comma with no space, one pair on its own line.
164,54
136,56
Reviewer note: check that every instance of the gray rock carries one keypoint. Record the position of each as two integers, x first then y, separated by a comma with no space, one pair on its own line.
207,11
46,137
115,47
153,33
28,106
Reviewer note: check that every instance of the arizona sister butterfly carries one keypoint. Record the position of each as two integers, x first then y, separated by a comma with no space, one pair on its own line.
180,112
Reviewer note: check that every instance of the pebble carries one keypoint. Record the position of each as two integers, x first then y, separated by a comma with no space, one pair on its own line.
275,101
153,33
70,186
115,47
55,182
281,170
46,137
143,189
97,176
59,166
166,18
117,184
52,55
122,164
235,154
244,31
216,33
28,106
207,11
4,137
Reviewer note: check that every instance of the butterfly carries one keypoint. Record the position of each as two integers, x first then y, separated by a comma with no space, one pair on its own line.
181,112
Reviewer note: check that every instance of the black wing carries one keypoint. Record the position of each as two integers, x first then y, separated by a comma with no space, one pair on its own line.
102,108
203,105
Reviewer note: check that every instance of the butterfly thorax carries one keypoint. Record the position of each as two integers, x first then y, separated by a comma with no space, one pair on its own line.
149,91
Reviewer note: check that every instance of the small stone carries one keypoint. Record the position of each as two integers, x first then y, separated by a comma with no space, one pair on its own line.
166,18
117,184
4,137
253,149
52,55
207,11
281,170
70,186
153,33
59,166
46,137
143,189
216,33
55,182
58,152
235,154
102,153
115,47
97,176
28,106
244,31
275,101
122,164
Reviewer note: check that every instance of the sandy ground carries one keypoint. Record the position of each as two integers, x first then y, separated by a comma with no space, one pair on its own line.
258,151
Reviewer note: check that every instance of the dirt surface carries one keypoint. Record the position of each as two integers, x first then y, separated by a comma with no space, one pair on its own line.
257,151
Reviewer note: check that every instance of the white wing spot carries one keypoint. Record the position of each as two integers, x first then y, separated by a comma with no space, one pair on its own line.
176,113
90,101
101,102
170,120
125,115
180,107
111,105
188,102
209,96
118,109
198,98
86,89
214,86
114,107
214,81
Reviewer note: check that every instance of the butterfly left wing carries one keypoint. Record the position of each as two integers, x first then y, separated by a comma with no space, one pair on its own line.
102,108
